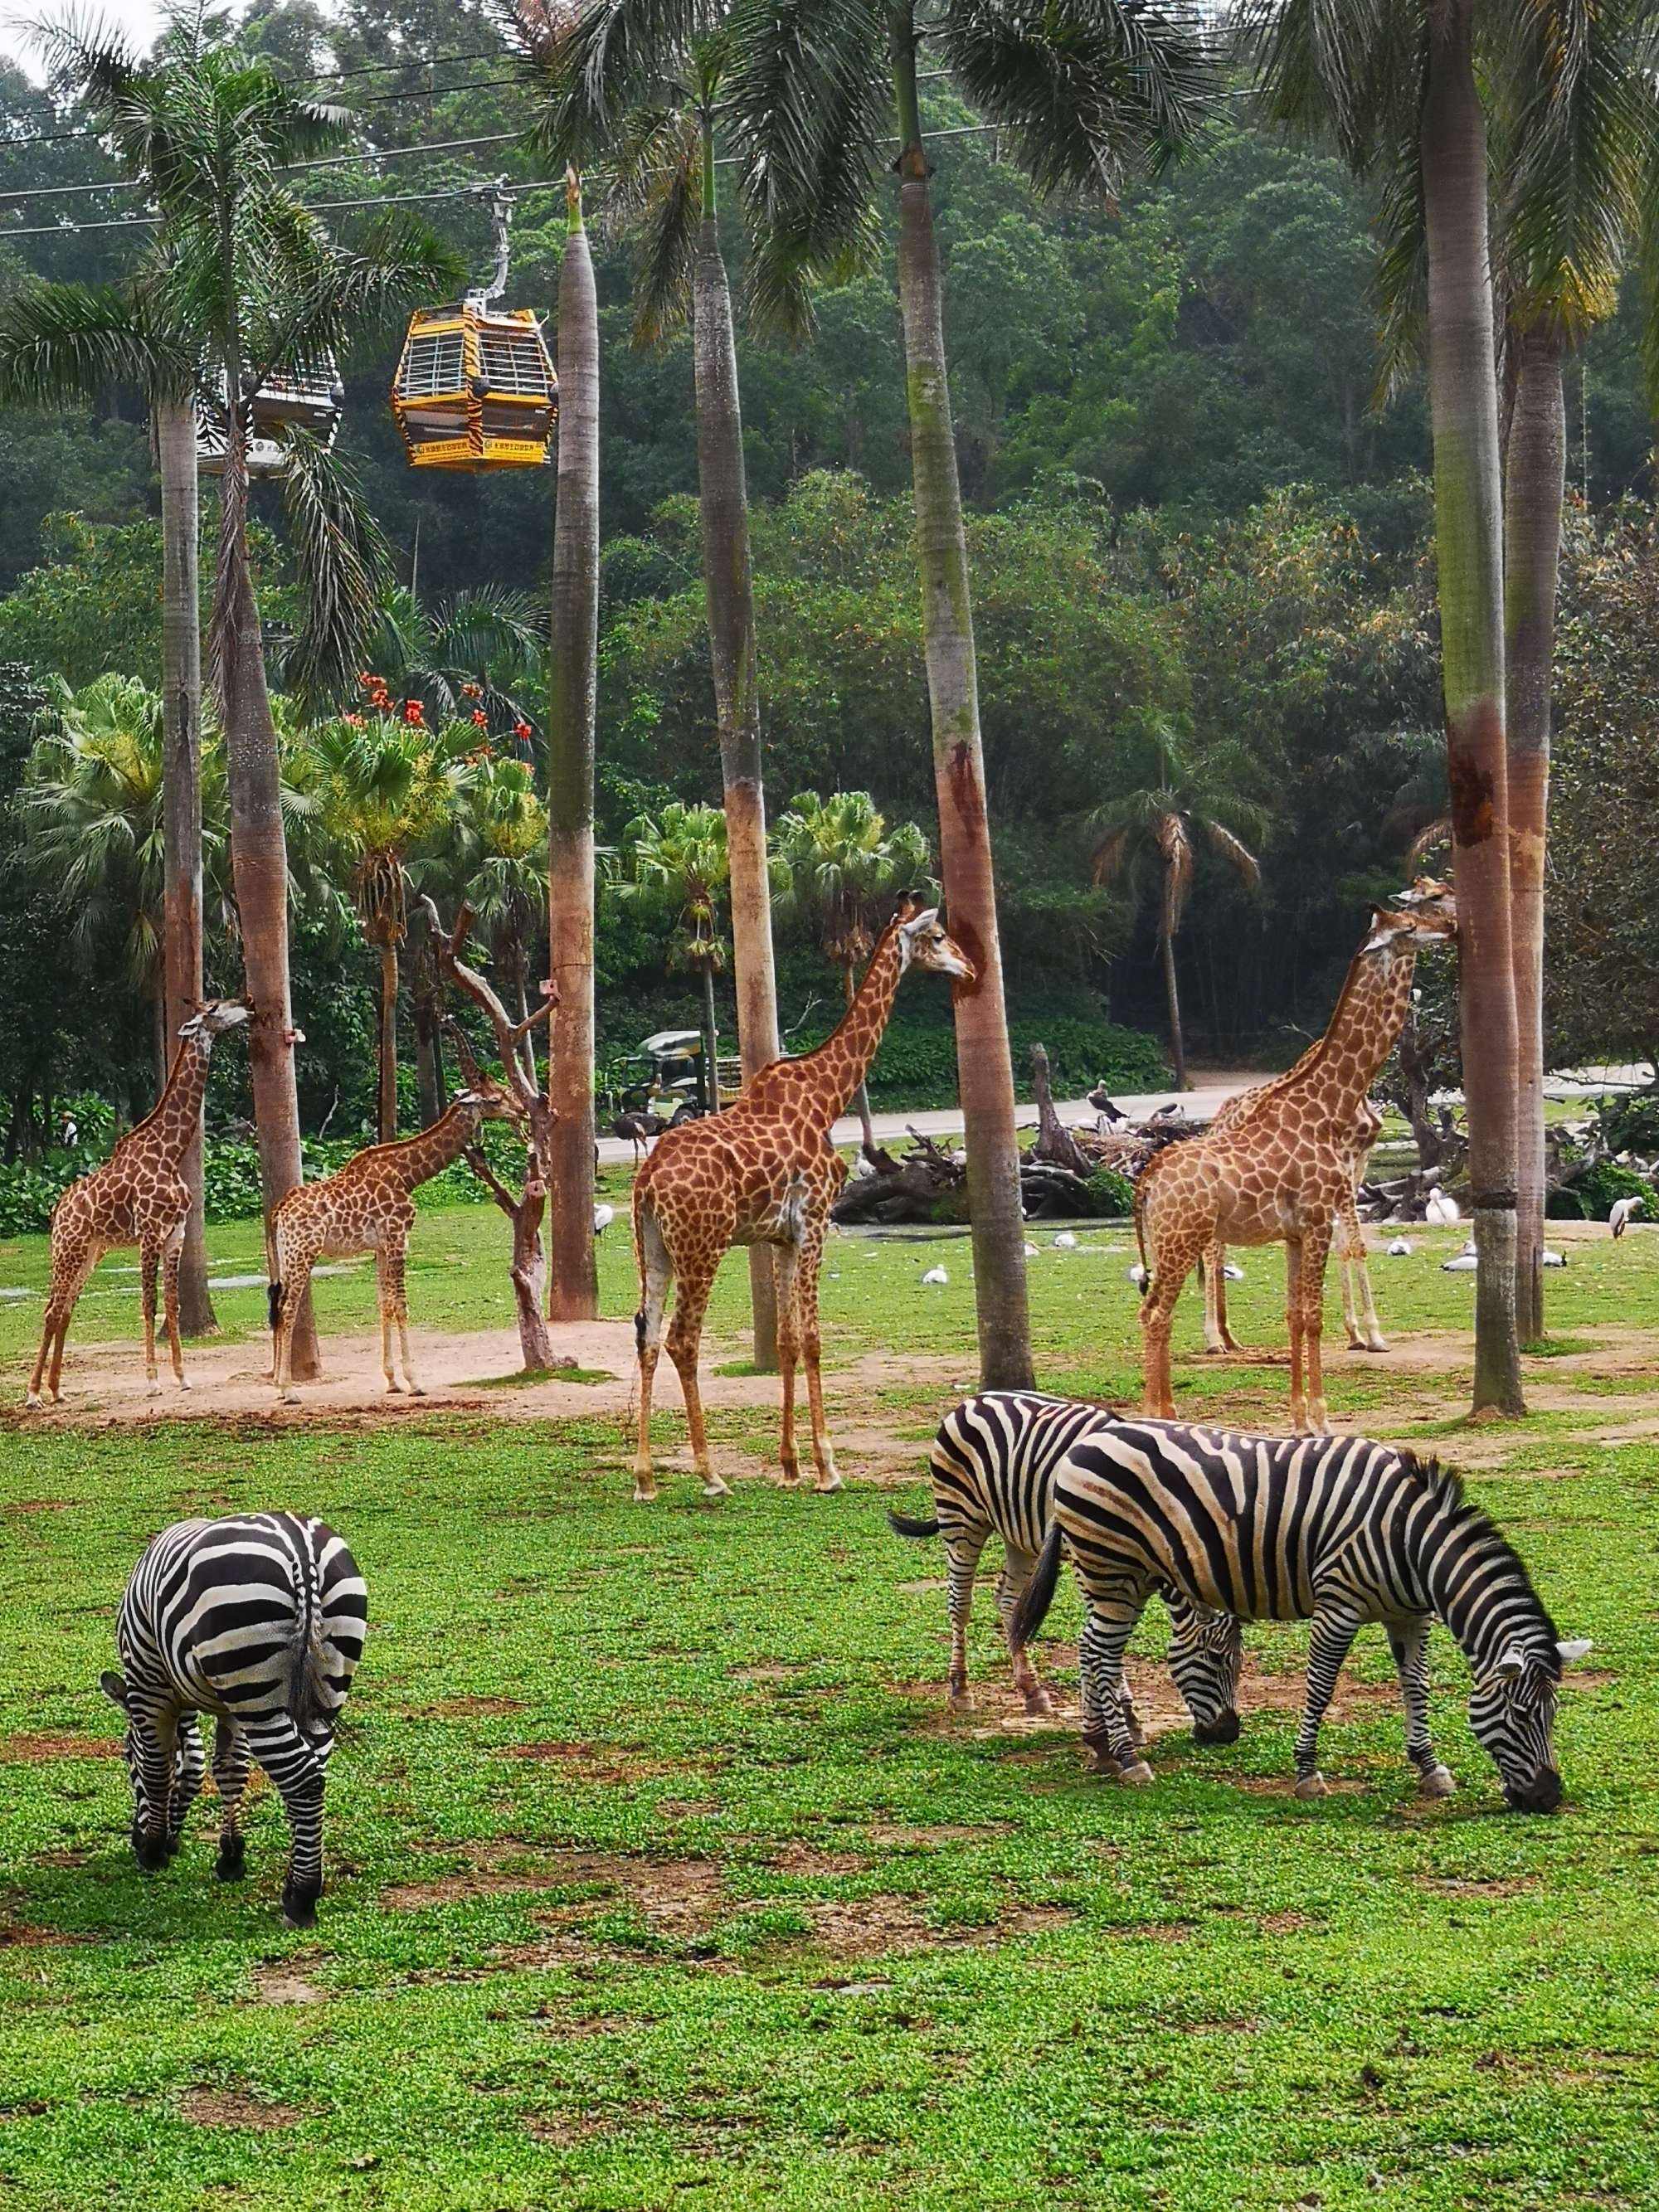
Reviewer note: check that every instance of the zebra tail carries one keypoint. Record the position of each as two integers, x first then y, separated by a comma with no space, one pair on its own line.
1038,1594
306,1705
904,1524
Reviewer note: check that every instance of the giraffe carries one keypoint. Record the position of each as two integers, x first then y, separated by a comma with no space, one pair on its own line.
765,1172
1282,1169
1365,1331
365,1207
137,1197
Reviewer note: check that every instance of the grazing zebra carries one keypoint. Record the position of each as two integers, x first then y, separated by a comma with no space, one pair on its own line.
993,1464
1332,1530
258,1618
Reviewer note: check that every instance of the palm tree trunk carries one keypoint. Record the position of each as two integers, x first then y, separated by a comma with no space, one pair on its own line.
1177,1043
729,586
573,1280
1536,481
985,1070
861,1095
388,1094
1468,525
181,802
711,1044
258,855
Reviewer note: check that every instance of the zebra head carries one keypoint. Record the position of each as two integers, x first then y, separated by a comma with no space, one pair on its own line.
1206,1649
1513,1712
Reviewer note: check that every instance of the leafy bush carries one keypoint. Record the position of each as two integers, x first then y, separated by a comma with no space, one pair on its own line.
1591,1198
915,1066
1631,1124
1110,1194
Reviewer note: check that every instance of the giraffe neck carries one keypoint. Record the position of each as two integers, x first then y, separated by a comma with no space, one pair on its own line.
418,1158
1341,1068
843,1061
167,1130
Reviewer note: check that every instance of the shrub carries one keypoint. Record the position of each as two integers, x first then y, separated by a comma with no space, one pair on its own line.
1591,1197
1110,1194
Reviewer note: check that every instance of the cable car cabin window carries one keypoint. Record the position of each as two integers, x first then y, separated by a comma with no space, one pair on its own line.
513,361
434,362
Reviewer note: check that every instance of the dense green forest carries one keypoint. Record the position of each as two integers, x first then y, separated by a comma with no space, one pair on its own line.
1201,557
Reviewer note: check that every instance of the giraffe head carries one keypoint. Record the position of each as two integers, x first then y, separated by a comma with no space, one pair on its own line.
486,1100
1428,895
1410,925
217,1015
922,941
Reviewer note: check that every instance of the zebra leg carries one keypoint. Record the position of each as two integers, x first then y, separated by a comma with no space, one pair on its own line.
1016,1567
1410,1646
155,1742
230,1766
188,1767
1105,1730
1331,1640
963,1547
297,1774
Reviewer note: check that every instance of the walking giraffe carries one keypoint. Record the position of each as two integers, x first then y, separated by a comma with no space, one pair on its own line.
365,1207
139,1197
1358,1308
765,1172
1284,1170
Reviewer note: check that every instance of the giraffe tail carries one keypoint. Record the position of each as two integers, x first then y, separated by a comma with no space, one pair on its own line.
1139,1210
273,1284
641,1201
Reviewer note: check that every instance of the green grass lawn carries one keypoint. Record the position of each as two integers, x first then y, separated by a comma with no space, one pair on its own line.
659,1876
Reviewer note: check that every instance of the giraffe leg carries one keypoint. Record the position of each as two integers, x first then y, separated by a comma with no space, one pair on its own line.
656,1274
149,1260
1217,1337
295,1274
384,1300
963,1547
171,1253
230,1769
1293,1328
684,1335
1171,1262
1358,1309
807,1295
396,1253
1316,1253
788,1278
70,1267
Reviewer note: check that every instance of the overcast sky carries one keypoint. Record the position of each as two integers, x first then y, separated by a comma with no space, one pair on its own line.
139,18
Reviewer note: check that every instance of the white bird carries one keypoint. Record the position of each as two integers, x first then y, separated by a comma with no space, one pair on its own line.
603,1218
1032,1251
1441,1210
936,1275
1619,1219
1469,1252
1464,1264
1400,1249
1232,1271
1138,1276
1065,1242
1554,1259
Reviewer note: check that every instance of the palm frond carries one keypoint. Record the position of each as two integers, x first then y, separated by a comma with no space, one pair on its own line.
1234,852
344,561
667,231
62,344
1345,69
610,57
1173,837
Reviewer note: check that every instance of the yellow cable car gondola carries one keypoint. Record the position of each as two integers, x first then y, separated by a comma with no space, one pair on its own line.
475,387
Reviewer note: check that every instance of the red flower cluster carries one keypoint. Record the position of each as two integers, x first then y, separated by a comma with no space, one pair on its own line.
379,698
472,691
353,721
414,713
522,731
480,719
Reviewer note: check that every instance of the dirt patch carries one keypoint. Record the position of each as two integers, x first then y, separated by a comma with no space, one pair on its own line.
906,1836
37,1505
459,1709
21,1935
1284,1923
460,1889
928,1583
236,2108
1452,1885
811,1859
563,2130
70,1856
278,1982
875,1927
776,1670
37,1750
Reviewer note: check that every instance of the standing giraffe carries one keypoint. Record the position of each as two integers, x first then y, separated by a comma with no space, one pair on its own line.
1284,1170
365,1207
765,1172
1365,1331
137,1197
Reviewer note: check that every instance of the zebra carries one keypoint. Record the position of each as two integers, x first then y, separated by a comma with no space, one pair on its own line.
1337,1531
258,1618
993,1465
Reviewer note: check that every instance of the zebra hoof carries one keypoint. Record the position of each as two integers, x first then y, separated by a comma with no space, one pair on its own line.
1437,1782
300,1907
1311,1786
231,1862
1135,1772
962,1701
150,1852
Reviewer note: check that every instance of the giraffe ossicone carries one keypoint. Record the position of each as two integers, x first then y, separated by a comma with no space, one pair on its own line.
138,1196
765,1171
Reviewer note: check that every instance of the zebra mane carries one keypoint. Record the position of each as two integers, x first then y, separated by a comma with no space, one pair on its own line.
1444,1487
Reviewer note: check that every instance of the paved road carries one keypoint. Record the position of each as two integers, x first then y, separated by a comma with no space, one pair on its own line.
1214,1087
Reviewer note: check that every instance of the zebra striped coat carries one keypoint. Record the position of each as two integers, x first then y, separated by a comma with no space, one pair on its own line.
259,1620
993,1466
1333,1529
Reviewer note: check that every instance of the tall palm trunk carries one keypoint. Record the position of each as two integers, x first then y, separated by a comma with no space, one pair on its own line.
259,849
572,1289
985,1071
1536,482
711,1044
181,803
728,585
861,1095
1177,1041
388,1085
1468,527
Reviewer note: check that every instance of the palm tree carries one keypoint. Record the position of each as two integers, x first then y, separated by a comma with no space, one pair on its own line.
1398,89
242,285
842,868
479,651
386,785
1081,88
639,84
1158,828
678,870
